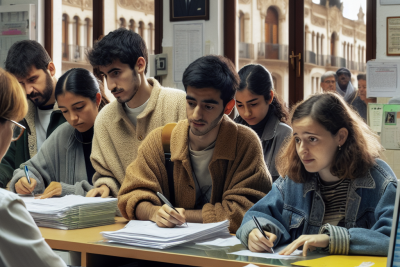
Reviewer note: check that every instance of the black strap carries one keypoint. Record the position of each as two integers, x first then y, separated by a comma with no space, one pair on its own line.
169,165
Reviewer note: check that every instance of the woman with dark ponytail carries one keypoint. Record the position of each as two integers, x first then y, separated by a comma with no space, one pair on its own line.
260,109
62,166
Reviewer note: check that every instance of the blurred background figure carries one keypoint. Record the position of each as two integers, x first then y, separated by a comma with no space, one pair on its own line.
328,81
362,89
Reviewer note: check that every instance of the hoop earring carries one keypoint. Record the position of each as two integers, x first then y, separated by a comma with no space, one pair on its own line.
340,148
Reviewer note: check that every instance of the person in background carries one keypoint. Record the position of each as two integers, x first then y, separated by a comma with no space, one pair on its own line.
29,62
21,243
141,106
328,81
347,91
62,166
334,193
219,171
261,109
362,89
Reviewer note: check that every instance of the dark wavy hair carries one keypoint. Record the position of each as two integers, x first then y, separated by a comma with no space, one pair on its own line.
23,55
258,80
122,44
213,71
357,154
81,82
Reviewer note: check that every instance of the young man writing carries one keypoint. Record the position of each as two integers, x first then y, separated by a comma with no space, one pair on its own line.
35,71
142,105
219,170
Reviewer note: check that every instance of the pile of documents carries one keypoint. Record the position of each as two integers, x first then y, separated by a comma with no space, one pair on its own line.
71,212
148,234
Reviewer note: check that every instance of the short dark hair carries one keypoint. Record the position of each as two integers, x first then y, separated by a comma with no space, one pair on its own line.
81,82
23,55
258,80
213,71
361,77
122,44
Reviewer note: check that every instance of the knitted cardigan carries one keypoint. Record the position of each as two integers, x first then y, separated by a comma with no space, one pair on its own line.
239,175
116,139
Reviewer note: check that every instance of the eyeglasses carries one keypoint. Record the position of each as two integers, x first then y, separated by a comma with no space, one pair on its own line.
17,128
328,82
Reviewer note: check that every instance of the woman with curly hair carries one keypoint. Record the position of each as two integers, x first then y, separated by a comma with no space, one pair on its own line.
334,193
261,109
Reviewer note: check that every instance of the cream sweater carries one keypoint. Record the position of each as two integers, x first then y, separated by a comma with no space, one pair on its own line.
116,140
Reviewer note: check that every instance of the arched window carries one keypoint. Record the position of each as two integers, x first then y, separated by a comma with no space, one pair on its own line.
313,41
241,27
122,23
65,41
132,25
88,32
333,44
318,48
141,28
76,31
271,26
150,38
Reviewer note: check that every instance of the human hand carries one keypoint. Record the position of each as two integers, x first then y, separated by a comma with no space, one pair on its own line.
103,191
54,189
309,242
167,217
23,187
258,243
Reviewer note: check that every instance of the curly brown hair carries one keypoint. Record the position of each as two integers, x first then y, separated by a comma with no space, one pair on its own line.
358,153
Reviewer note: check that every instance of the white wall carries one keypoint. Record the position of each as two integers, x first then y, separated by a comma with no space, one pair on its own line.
382,13
213,32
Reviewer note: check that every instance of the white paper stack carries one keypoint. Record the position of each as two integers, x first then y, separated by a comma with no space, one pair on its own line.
148,234
72,212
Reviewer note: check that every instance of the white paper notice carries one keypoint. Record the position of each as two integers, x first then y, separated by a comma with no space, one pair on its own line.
383,79
296,254
375,112
188,46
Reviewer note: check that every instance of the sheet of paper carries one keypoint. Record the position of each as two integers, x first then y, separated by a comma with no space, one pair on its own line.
383,79
296,254
221,242
188,46
390,135
375,112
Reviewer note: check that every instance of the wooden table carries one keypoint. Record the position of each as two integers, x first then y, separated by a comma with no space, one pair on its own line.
95,253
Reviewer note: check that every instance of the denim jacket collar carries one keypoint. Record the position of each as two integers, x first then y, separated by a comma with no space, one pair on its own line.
352,203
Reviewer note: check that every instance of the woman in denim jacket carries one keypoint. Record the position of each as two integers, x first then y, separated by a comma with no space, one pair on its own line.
331,147
261,109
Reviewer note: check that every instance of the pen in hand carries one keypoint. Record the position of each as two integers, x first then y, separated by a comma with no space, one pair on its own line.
261,230
165,201
28,178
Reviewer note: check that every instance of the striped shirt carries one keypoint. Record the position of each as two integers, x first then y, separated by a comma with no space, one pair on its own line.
335,197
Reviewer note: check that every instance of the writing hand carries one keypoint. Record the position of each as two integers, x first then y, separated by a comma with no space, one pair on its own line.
103,191
54,189
23,187
258,243
309,242
168,218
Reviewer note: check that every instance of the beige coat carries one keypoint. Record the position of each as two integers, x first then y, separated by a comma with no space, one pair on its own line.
116,139
239,175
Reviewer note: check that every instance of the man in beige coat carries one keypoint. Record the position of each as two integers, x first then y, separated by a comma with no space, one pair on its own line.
142,105
219,170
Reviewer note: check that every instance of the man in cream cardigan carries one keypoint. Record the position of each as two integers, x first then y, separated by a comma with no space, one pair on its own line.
141,105
219,169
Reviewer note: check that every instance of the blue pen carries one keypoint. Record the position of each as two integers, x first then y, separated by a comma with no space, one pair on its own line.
27,177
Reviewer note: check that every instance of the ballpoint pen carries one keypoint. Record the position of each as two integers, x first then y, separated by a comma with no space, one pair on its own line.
262,232
165,200
27,177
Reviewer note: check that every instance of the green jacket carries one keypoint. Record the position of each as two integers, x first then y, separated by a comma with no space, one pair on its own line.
25,148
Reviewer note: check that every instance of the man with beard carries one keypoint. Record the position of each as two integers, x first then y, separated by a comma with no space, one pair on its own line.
346,89
219,170
29,62
142,105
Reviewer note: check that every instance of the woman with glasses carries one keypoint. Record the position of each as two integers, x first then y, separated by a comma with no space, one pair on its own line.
260,108
62,166
21,243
